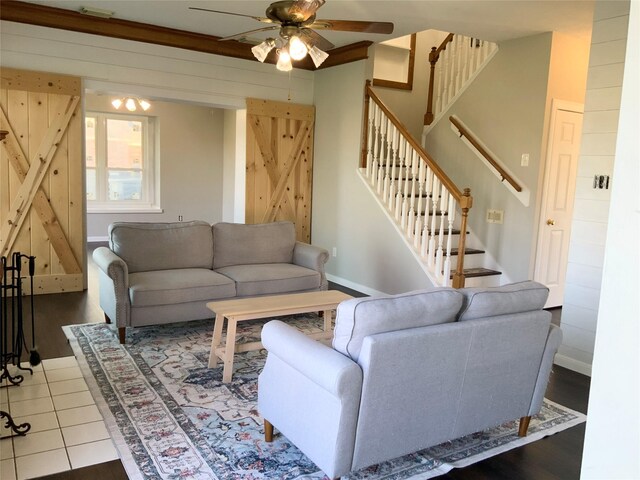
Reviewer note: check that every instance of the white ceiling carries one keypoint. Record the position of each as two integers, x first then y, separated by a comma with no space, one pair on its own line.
493,20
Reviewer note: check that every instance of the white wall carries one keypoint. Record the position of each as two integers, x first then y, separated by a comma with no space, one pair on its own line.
371,256
191,160
612,439
591,208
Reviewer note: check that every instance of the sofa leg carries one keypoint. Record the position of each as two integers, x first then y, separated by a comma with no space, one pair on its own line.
122,333
524,426
106,318
268,431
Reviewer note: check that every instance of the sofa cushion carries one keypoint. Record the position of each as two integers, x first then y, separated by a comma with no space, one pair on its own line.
508,299
266,279
361,317
238,244
165,287
162,246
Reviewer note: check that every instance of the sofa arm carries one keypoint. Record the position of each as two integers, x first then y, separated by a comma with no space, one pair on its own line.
554,339
322,364
114,285
302,376
310,256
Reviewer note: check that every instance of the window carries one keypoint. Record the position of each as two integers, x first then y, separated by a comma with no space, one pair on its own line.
120,163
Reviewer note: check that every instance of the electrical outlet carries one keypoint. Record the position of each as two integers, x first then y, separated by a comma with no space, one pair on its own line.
334,252
524,162
179,218
495,216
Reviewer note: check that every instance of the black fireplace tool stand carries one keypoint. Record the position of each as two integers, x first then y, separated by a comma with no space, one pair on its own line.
12,339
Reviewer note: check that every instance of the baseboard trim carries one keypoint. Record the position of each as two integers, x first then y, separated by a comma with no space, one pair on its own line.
97,239
573,364
354,286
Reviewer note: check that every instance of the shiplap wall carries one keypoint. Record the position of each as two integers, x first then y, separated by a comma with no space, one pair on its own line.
114,65
591,210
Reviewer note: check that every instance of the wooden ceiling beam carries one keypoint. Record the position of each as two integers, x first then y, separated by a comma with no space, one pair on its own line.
52,17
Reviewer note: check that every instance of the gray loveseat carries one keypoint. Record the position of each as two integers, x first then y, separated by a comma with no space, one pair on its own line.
407,372
155,273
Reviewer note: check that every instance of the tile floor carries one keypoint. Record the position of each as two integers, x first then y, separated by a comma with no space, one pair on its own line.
67,430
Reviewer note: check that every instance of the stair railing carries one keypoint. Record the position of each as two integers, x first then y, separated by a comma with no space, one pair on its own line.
458,59
409,182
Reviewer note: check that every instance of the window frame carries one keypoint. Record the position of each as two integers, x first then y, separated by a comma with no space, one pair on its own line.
150,184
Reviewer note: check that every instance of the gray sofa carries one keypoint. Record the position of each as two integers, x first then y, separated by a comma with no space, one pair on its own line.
155,273
407,372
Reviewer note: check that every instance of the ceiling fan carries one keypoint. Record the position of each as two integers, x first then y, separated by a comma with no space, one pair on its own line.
297,25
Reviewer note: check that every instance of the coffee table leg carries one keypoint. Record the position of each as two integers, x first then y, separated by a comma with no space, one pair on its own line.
215,341
327,321
230,350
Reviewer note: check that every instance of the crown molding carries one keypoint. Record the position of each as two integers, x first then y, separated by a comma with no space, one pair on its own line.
52,17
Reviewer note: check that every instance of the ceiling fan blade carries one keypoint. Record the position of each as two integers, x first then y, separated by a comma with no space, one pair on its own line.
260,19
353,26
316,39
244,34
301,10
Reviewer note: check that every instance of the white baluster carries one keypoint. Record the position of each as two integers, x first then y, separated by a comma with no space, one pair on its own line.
434,213
394,158
402,152
376,147
459,48
418,223
370,134
451,210
411,216
444,197
407,185
383,144
387,162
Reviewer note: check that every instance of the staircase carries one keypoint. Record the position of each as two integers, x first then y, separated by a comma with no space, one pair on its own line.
427,209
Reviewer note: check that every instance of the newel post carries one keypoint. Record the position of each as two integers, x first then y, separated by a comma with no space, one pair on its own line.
466,202
365,125
433,59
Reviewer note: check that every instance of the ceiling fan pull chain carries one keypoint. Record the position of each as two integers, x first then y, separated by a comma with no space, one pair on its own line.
289,93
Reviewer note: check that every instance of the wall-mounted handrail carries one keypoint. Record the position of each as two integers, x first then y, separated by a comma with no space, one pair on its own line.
478,146
415,190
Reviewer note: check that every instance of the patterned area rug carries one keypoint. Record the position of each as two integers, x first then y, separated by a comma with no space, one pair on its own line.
171,417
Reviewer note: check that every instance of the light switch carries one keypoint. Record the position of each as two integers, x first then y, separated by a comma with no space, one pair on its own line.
525,160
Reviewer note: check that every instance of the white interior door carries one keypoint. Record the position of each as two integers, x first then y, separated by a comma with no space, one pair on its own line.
557,201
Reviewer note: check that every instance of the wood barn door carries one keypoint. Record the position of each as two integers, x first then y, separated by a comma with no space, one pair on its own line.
42,177
280,164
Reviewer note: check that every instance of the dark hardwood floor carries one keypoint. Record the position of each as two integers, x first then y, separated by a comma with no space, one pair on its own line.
557,457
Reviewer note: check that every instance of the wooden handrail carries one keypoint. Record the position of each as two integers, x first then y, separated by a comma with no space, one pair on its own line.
472,140
434,55
446,181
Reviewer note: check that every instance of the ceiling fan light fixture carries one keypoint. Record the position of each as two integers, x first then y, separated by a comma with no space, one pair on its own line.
284,61
297,48
261,50
317,55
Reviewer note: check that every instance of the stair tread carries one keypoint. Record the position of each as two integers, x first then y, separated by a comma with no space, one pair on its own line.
467,251
479,272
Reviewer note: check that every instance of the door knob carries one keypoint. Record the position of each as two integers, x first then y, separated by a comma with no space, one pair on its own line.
551,222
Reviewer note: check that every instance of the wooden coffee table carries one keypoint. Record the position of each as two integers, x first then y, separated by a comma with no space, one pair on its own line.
253,308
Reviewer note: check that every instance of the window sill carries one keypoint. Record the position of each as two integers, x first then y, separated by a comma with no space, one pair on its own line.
123,209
